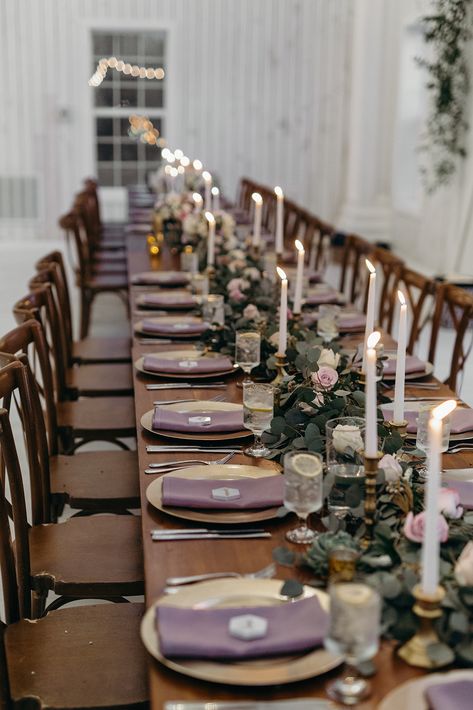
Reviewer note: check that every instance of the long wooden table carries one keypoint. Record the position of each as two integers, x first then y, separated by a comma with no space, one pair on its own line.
164,559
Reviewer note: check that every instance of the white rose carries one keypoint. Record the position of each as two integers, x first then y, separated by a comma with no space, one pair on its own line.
346,436
252,273
328,358
464,566
391,467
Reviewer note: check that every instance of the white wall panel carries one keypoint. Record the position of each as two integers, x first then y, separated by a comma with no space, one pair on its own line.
256,87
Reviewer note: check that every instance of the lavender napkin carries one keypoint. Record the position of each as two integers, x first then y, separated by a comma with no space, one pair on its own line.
197,422
197,366
174,328
465,491
461,420
265,492
457,695
315,277
355,321
203,633
328,296
167,300
169,278
413,364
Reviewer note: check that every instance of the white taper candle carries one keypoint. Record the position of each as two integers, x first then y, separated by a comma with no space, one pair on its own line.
258,200
398,415
210,239
299,276
370,307
282,345
208,187
279,220
371,429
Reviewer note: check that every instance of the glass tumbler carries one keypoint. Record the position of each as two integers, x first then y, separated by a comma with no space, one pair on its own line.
303,484
258,405
422,438
344,452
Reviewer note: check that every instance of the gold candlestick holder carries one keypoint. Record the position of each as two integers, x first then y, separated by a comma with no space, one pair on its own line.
210,271
427,607
371,474
399,428
255,251
281,363
296,317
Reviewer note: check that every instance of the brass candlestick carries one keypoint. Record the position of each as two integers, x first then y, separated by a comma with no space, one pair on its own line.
255,251
281,363
296,317
399,428
210,271
371,474
427,607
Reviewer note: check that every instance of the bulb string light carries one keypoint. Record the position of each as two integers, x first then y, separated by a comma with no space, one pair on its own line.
127,69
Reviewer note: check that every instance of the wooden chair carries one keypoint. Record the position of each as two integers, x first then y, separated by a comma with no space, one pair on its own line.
87,656
103,260
419,291
83,558
90,285
458,304
89,350
101,418
109,236
95,481
86,380
353,276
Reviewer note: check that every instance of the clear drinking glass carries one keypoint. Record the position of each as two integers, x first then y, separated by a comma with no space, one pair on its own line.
247,352
302,491
258,403
355,610
422,438
199,284
327,322
213,309
344,452
189,260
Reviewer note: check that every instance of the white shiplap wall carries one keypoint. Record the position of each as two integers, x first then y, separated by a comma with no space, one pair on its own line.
256,87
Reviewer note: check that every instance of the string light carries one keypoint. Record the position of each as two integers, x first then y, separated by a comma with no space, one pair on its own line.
141,127
128,69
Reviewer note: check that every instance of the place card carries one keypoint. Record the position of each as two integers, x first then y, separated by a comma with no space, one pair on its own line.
248,627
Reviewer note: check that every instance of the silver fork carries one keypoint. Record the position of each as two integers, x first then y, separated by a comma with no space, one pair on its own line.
172,465
265,573
218,398
459,447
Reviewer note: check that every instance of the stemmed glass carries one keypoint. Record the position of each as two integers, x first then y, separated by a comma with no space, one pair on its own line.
258,404
302,491
247,352
355,610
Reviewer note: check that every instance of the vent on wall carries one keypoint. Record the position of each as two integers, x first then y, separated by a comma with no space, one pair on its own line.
18,197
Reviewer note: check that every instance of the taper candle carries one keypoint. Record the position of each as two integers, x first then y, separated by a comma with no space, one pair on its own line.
431,543
398,416
279,220
314,250
282,313
258,200
299,276
370,307
210,239
198,201
371,429
215,198
208,187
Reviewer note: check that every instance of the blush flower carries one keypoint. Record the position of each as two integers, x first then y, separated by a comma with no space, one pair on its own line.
325,377
237,295
414,527
464,566
328,358
449,503
251,312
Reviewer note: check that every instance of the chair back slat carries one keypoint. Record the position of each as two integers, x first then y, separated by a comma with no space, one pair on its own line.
62,289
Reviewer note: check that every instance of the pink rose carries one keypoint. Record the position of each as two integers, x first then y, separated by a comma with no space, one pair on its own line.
464,566
289,314
325,377
237,295
251,312
414,527
449,503
391,467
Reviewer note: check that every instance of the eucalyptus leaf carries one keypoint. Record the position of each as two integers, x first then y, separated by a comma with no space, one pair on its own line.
459,622
291,588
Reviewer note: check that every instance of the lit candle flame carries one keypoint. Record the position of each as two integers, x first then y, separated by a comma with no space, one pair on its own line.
178,153
210,218
257,198
197,198
299,245
444,409
370,266
197,165
206,175
278,191
215,191
185,161
373,339
173,172
281,273
401,297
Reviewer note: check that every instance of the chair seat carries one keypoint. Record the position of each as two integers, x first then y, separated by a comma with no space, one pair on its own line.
115,257
106,415
88,556
99,662
104,268
99,380
109,282
96,350
95,480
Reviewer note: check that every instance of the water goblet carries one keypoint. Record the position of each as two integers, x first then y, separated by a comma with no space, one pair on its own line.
247,352
213,309
327,322
302,491
199,284
355,610
258,404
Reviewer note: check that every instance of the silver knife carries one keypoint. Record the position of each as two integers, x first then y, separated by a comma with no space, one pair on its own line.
210,536
195,531
152,449
175,386
293,704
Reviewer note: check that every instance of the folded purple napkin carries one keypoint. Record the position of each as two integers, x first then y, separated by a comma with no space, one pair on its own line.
457,695
166,300
353,321
461,420
328,296
199,366
315,277
174,328
240,216
464,488
413,364
170,278
204,633
164,418
265,492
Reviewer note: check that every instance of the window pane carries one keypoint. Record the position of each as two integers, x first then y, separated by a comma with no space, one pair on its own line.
104,126
102,44
154,45
104,97
129,151
128,97
105,176
128,46
104,151
152,152
154,98
129,176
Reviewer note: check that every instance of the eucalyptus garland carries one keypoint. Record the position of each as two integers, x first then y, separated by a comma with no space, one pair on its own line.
446,29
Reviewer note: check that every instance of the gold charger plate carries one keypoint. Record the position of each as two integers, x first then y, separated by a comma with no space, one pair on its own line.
411,693
429,368
239,592
190,354
202,407
167,320
229,472
415,407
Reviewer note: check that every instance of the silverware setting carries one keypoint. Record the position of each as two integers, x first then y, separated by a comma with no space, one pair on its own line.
154,449
264,573
291,704
218,398
456,448
217,535
430,399
169,466
186,385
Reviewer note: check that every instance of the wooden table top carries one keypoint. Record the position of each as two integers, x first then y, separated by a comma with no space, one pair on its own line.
164,559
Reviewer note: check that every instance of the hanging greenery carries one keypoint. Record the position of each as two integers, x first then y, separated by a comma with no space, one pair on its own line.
446,30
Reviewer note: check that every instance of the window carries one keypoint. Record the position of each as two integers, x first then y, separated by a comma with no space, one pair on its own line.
122,161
